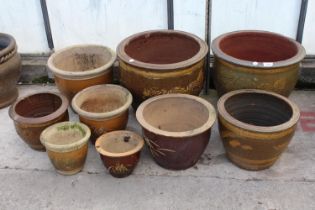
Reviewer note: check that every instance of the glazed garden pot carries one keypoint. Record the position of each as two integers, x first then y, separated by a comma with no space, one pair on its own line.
256,126
33,113
10,64
67,146
256,60
120,151
81,66
159,62
103,108
176,128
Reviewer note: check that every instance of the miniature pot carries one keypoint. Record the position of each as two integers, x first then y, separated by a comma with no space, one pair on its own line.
10,65
162,61
103,108
33,113
256,60
81,66
176,128
256,126
67,145
119,151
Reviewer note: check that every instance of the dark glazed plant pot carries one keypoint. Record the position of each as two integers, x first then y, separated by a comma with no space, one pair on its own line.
10,65
33,113
256,126
159,62
120,151
256,60
176,128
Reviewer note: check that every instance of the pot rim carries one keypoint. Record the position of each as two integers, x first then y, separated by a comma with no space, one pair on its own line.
65,147
38,120
207,125
84,74
106,136
9,50
263,129
101,115
253,64
165,67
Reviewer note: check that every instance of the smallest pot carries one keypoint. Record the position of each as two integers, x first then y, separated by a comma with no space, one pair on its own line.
120,151
66,145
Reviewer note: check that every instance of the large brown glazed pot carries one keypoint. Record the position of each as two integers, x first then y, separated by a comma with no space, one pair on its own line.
176,128
159,62
33,113
256,60
256,126
10,64
81,66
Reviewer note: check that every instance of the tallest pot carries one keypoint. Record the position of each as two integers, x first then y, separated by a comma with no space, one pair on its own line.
161,61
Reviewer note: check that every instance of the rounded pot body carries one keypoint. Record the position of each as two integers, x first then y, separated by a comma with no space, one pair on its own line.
10,65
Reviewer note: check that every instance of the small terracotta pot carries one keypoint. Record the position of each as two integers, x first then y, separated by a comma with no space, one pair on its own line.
103,108
67,146
176,128
120,151
256,60
256,126
162,61
81,66
33,113
10,65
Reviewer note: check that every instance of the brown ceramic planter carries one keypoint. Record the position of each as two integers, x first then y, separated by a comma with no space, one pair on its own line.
10,64
67,145
176,128
256,60
103,108
256,126
120,151
159,62
33,113
81,66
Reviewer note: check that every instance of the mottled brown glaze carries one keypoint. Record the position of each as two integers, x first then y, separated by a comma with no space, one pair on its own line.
10,65
256,127
256,60
33,113
159,62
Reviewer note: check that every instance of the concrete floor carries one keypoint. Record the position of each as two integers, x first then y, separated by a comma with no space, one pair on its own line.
28,180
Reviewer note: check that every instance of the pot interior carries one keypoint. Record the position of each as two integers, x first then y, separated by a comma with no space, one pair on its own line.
79,59
258,46
162,48
258,109
176,114
38,105
4,42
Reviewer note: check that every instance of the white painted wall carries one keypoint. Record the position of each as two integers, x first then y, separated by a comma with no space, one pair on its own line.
309,29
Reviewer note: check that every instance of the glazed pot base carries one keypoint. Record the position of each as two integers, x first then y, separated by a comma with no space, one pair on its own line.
69,173
39,148
7,101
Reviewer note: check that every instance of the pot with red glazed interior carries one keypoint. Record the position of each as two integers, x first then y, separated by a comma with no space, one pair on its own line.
161,61
81,66
33,113
176,128
256,60
119,151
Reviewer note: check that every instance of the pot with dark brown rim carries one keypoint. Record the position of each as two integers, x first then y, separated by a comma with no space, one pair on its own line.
33,113
256,60
256,126
176,128
161,61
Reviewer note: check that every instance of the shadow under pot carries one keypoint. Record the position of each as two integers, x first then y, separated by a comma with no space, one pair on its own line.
256,60
67,146
33,113
176,128
10,65
256,126
81,66
103,108
120,151
162,61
